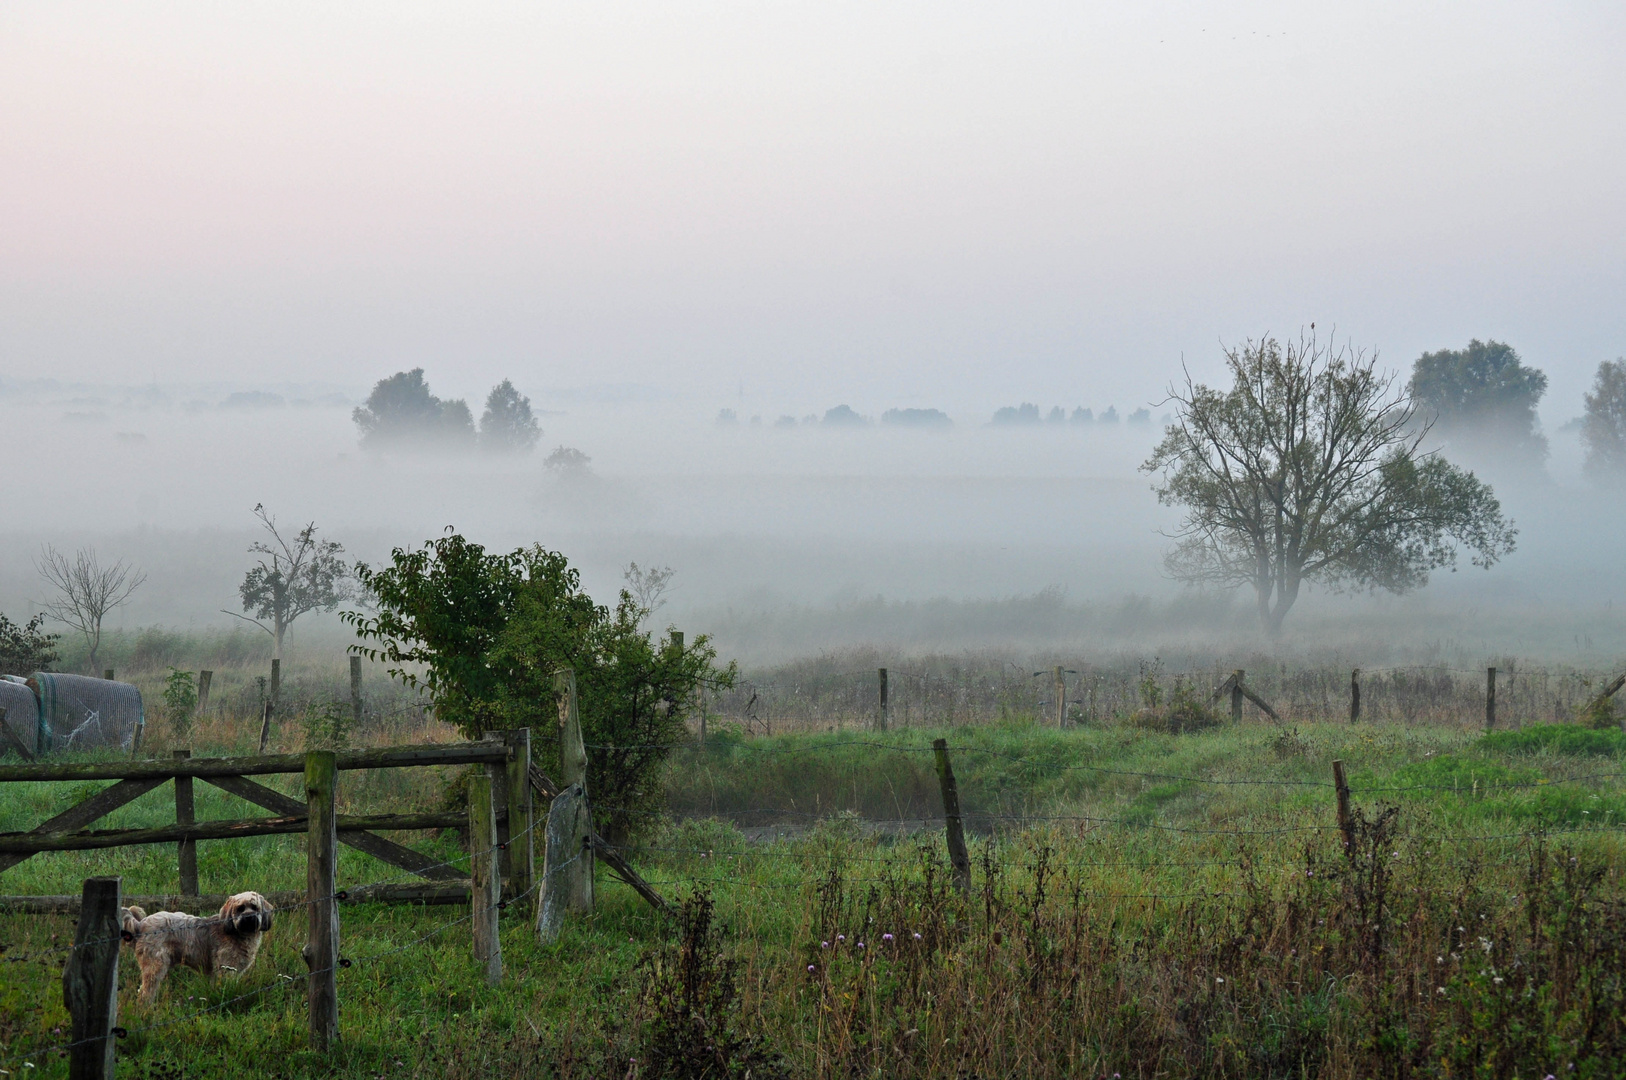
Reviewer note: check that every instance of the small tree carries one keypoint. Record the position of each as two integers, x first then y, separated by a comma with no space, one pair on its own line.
508,426
648,587
484,634
86,590
567,462
1603,427
1483,395
1309,469
401,410
292,577
26,649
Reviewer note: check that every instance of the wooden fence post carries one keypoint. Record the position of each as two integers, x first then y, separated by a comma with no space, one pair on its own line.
1236,696
355,693
321,871
567,879
276,679
573,770
205,678
1346,823
1354,695
1490,698
187,851
485,881
265,724
521,839
90,981
959,860
880,721
1058,679
108,674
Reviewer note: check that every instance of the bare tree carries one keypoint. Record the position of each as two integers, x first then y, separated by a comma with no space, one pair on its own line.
86,590
1311,469
648,587
294,577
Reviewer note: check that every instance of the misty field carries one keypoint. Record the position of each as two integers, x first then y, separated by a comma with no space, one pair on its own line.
1142,904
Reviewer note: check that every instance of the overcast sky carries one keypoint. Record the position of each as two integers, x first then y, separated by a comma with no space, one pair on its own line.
795,204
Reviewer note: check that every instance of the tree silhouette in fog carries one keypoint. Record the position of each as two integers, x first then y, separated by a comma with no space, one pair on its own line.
507,425
1310,469
1484,397
1603,427
401,410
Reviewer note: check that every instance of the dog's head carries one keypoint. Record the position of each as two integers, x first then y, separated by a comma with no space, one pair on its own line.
246,913
130,920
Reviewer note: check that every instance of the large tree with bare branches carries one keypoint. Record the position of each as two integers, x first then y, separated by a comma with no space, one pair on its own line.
295,575
86,590
1310,468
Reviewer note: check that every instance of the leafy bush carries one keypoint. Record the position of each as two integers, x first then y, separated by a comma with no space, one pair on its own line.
180,700
326,726
484,635
26,649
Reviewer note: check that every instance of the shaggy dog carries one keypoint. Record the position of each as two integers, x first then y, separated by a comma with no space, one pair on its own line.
224,942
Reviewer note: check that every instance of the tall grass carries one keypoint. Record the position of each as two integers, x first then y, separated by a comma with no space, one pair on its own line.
1132,913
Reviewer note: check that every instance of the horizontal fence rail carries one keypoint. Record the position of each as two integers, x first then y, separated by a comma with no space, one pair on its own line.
391,757
31,843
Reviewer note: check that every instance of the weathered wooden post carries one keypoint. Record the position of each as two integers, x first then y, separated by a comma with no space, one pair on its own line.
321,950
880,719
187,851
90,981
108,674
1354,695
355,693
1236,696
485,880
1346,823
959,860
520,864
1058,687
205,678
573,771
1490,698
276,679
565,886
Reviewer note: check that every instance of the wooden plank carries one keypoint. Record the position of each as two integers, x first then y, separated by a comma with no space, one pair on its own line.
321,950
384,757
377,846
623,870
1259,701
32,843
448,892
99,805
90,982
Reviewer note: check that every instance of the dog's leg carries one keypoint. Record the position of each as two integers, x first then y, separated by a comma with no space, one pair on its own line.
154,967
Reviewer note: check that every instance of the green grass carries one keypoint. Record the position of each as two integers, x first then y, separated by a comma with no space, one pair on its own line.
1122,891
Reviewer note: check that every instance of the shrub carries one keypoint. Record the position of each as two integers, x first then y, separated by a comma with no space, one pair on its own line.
180,700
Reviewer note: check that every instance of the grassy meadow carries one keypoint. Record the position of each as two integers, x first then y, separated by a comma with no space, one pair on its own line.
1143,904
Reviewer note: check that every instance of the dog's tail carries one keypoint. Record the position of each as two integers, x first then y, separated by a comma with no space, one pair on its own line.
130,919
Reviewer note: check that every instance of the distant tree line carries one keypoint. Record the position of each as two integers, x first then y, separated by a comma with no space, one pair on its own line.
402,412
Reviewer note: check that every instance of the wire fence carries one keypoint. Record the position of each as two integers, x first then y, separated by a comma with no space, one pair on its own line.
954,691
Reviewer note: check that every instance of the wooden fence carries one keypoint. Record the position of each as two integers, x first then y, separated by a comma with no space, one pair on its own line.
501,820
